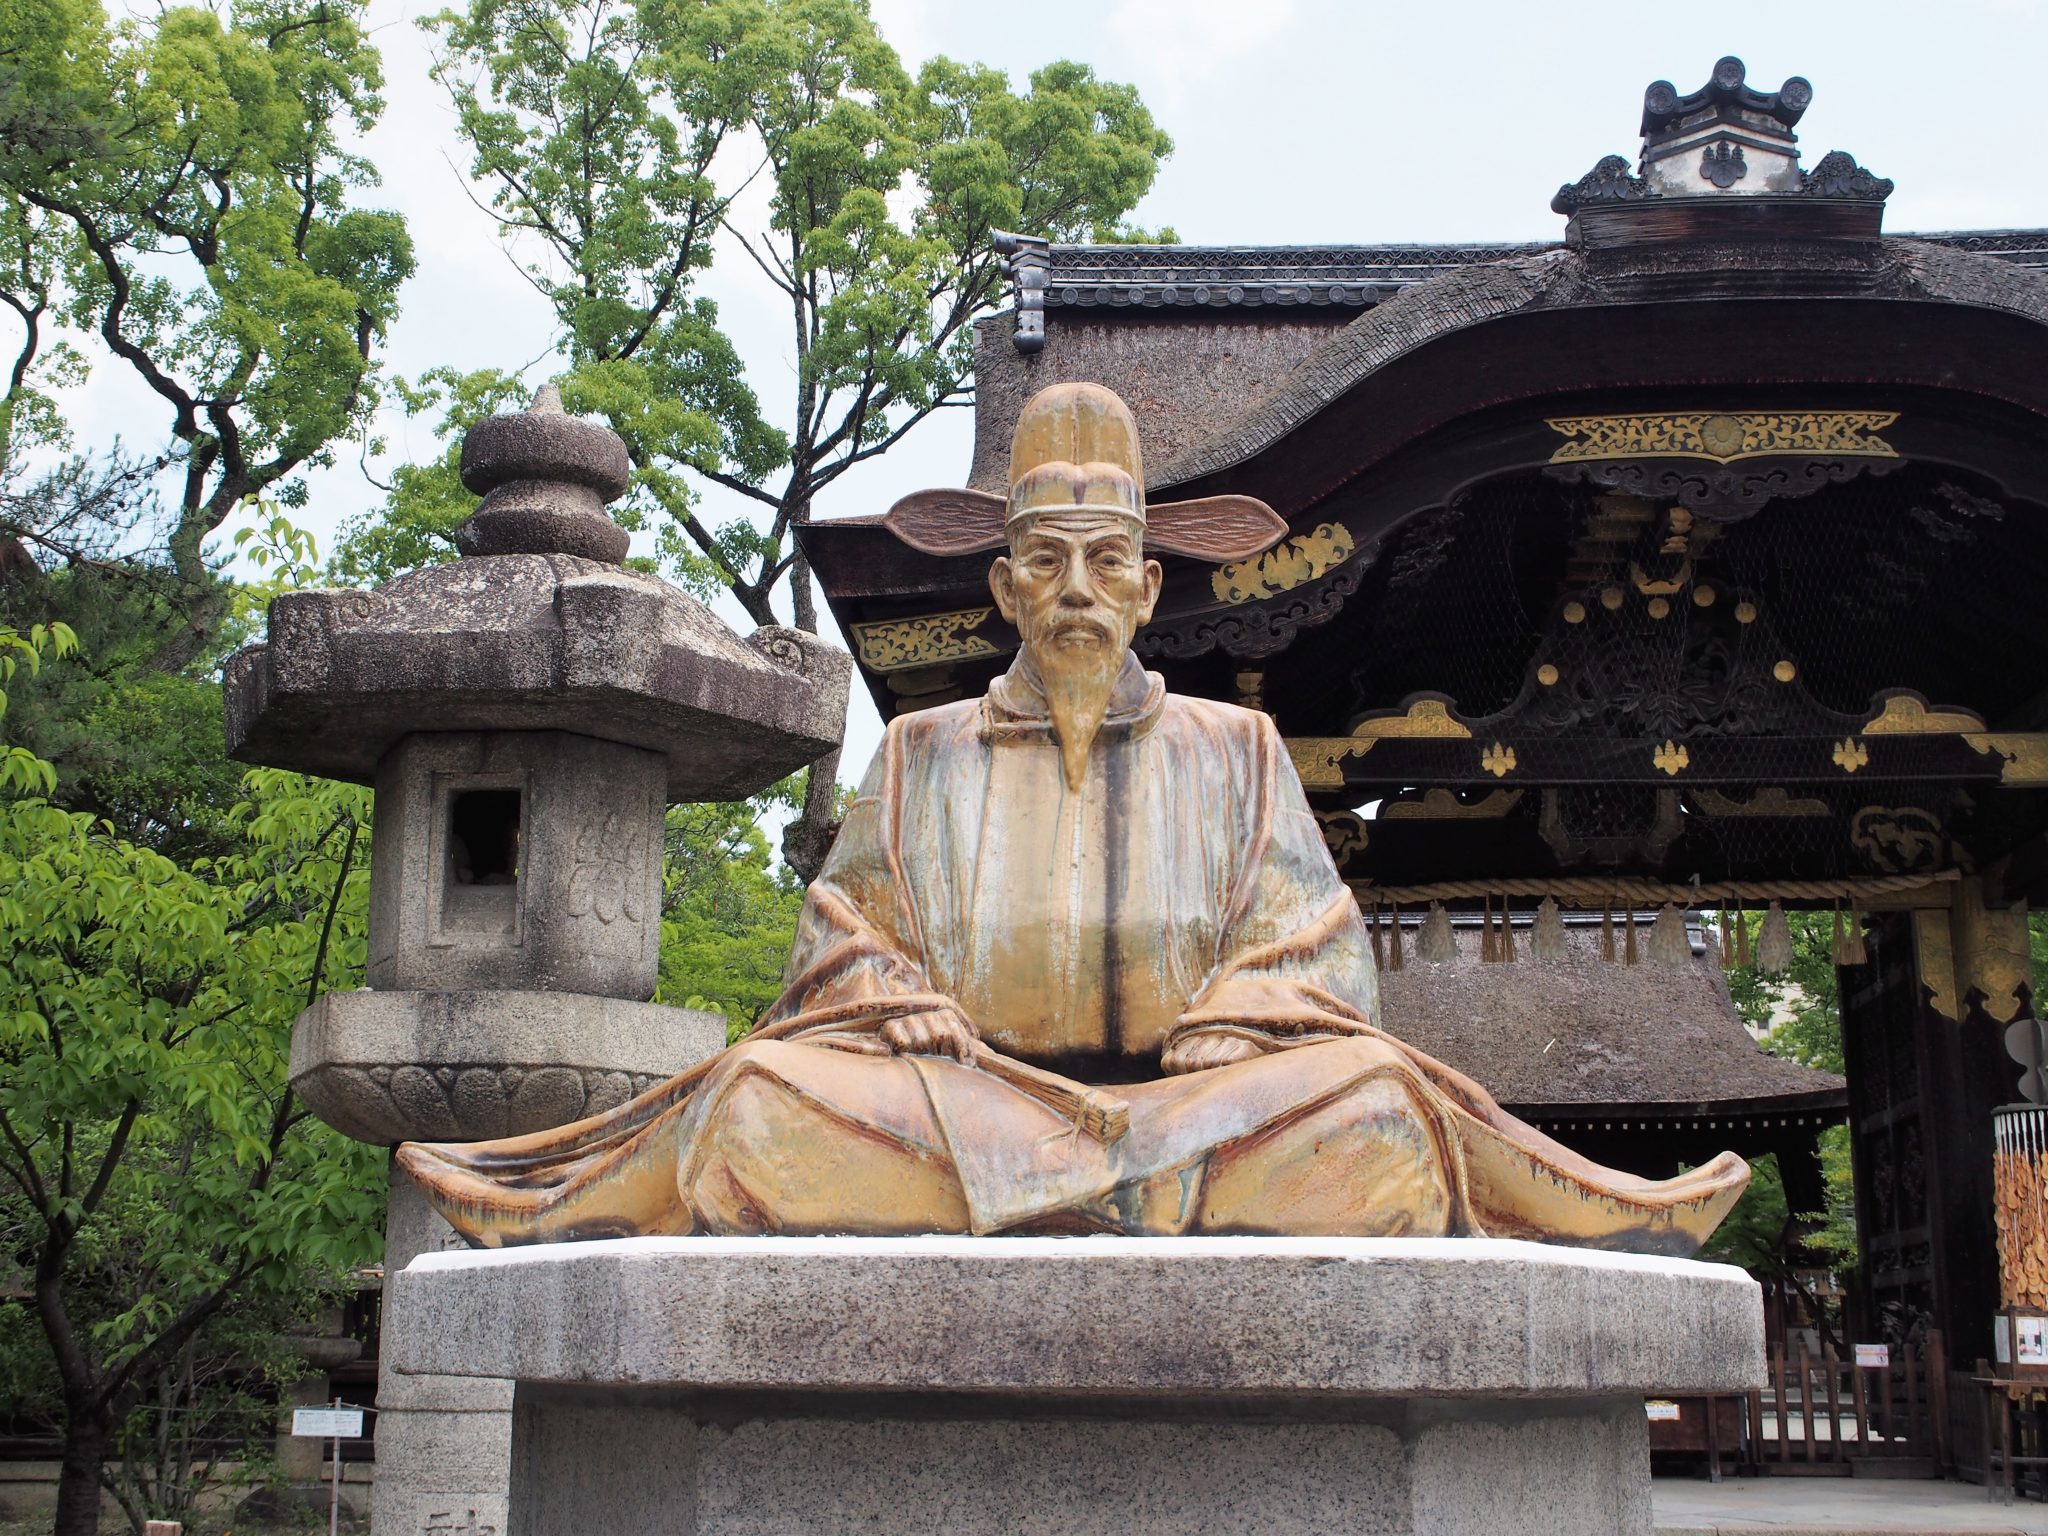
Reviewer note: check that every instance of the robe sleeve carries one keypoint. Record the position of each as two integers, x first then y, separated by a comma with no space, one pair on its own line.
856,960
1295,961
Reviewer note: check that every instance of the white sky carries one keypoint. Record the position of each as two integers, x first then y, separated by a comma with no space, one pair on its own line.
1294,121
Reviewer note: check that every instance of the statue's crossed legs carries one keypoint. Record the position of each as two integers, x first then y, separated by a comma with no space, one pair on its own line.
1341,1138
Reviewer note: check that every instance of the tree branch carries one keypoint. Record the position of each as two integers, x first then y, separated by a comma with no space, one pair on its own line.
777,274
174,1334
116,1147
27,1178
348,854
732,483
103,251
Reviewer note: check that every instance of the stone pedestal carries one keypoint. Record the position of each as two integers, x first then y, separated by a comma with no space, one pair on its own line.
1077,1385
444,1443
469,1065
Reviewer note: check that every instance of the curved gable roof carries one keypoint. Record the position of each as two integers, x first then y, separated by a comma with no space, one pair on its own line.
1904,271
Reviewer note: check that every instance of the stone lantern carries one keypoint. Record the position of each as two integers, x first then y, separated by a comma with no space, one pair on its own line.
525,713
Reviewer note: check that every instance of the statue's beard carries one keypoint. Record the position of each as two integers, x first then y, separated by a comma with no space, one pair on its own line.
1078,681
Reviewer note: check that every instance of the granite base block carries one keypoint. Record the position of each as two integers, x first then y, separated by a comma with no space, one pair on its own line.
1562,1469
442,1470
444,1443
714,1387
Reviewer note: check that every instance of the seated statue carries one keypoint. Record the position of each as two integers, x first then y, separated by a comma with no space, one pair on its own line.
1078,962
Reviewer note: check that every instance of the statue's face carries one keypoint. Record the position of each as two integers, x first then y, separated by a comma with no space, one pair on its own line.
1077,585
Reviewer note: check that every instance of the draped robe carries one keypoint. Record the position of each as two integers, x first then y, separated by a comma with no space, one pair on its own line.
1183,891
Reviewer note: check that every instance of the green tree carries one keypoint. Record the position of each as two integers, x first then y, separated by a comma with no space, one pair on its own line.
728,912
134,733
1798,1014
156,1174
175,187
175,197
618,140
1799,1017
21,771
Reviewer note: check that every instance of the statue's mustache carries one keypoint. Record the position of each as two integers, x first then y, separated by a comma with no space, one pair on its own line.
1075,621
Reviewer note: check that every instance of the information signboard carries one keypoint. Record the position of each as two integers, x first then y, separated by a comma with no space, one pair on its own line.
328,1423
2030,1340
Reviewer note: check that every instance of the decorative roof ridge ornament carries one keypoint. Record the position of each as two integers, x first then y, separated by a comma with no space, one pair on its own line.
1027,262
1838,175
1610,181
1723,137
1721,164
545,477
1728,96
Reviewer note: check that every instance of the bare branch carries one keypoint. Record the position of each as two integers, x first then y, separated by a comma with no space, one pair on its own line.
776,274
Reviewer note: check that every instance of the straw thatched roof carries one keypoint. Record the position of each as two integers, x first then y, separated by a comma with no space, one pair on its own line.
1584,1031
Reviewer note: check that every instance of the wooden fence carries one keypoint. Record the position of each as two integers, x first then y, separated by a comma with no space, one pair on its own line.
1819,1414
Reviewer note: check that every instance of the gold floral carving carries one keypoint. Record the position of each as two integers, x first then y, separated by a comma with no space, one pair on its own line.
1672,758
1425,719
891,645
1993,955
1851,754
1905,714
1772,802
2025,754
1665,588
1498,760
1344,832
1440,804
1316,758
1724,437
1898,839
1293,564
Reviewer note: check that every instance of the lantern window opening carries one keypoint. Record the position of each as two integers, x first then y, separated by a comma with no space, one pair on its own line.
483,836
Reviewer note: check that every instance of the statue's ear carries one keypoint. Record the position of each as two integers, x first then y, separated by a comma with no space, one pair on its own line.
1002,586
1155,577
1218,528
948,522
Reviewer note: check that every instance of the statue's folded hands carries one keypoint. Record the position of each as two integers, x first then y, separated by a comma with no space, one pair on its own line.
935,1032
1197,1050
